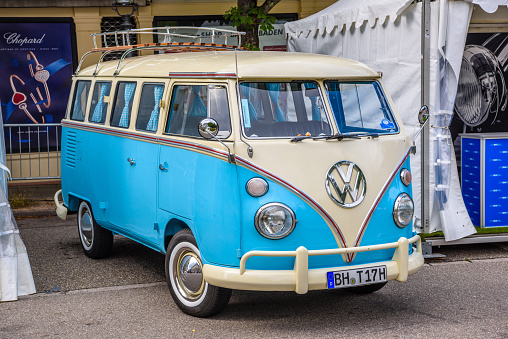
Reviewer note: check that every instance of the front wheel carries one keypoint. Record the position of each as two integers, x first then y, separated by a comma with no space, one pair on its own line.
97,242
184,274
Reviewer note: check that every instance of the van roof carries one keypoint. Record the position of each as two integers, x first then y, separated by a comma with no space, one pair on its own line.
251,65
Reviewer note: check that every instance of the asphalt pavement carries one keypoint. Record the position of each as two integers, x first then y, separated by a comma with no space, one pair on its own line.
462,295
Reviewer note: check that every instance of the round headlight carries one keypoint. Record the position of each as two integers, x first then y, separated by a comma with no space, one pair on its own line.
403,210
256,187
275,221
405,176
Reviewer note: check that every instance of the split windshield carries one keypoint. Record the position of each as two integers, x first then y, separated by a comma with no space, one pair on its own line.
282,109
360,107
293,109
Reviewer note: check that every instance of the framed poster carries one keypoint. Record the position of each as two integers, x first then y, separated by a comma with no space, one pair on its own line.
481,105
38,58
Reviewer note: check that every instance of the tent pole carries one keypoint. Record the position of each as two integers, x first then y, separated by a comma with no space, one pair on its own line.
425,98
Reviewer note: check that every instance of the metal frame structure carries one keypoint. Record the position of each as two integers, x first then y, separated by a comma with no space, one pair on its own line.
39,128
122,42
425,100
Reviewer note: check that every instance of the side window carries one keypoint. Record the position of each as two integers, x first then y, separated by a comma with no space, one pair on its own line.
99,107
122,107
192,103
148,111
80,100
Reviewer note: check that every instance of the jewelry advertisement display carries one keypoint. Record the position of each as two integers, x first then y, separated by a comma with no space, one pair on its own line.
35,78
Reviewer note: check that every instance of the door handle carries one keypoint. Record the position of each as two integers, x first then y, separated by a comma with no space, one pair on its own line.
162,168
131,161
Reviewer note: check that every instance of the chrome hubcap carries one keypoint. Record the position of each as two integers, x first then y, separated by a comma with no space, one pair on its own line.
85,226
189,274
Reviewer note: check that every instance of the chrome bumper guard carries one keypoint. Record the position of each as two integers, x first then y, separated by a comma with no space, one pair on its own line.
301,279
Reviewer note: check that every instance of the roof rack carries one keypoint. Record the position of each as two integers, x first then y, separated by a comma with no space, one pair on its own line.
169,35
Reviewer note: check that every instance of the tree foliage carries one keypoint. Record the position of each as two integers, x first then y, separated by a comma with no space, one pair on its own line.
249,17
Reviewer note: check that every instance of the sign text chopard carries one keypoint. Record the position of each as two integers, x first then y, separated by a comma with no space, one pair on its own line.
340,184
17,39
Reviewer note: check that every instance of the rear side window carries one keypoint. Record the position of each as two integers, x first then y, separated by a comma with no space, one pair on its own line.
80,100
192,103
149,107
99,106
122,107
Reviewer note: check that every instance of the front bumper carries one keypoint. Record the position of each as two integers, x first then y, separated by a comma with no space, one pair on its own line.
302,279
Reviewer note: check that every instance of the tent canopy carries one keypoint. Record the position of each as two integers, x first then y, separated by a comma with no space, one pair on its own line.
345,13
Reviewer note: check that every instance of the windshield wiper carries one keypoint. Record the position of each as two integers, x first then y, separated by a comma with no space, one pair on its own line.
337,136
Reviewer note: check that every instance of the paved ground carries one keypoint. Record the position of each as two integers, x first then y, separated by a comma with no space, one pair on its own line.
461,296
460,299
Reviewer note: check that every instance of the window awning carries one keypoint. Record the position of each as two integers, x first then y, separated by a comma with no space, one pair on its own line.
345,13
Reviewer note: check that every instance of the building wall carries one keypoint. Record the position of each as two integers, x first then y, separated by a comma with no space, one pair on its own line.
88,19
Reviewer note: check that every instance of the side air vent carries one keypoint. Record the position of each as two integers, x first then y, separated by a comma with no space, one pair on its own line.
70,159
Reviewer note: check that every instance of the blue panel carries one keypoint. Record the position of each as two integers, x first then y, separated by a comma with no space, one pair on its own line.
496,182
382,228
131,189
471,190
202,191
206,193
311,231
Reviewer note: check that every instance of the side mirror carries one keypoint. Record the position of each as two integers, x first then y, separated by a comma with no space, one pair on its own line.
423,114
208,128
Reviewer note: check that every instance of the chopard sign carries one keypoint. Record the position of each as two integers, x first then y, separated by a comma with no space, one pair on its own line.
340,184
17,39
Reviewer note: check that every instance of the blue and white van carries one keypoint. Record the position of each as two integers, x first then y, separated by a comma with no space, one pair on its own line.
265,171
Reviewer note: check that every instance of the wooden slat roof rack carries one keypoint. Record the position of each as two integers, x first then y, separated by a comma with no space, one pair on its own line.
168,34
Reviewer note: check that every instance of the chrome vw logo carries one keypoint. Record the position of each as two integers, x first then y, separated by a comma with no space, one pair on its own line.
346,189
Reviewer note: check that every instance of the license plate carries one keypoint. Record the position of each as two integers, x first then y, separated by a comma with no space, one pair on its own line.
356,277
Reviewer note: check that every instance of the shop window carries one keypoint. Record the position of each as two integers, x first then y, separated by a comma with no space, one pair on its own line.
114,24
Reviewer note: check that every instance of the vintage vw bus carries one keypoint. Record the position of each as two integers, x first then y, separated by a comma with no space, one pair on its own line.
266,171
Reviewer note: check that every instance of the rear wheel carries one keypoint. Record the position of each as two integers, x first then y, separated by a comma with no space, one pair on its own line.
366,289
184,274
97,242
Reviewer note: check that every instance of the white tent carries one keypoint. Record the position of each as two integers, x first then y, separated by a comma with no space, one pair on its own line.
387,36
15,273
